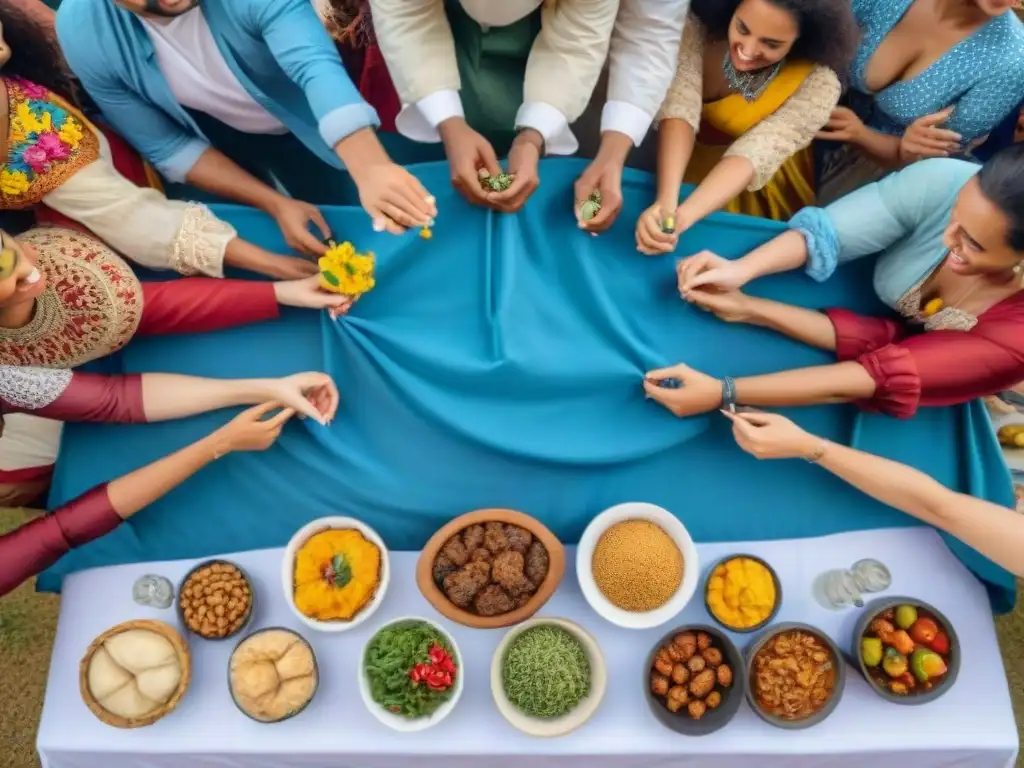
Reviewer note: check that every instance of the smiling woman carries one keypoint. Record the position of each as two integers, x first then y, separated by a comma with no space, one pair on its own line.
951,239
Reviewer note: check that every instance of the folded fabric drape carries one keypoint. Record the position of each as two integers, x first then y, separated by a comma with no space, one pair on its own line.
499,364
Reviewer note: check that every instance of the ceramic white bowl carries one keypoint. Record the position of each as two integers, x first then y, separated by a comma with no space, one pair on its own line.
288,578
557,726
398,722
636,510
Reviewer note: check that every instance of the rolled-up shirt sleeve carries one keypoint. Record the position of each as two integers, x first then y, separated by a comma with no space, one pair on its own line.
878,215
641,63
38,544
933,368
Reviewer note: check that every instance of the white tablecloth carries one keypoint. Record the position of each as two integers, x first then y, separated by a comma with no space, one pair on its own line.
971,726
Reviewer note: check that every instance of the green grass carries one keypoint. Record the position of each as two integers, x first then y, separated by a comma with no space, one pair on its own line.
28,622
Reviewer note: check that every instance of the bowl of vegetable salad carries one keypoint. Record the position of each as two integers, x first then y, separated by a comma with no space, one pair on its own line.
410,675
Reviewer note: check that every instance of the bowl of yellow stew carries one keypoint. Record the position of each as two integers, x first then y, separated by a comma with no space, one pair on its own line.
742,593
334,573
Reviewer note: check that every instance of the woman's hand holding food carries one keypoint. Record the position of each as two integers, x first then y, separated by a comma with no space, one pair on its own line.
395,199
770,436
656,232
709,270
309,394
693,392
250,431
308,294
523,166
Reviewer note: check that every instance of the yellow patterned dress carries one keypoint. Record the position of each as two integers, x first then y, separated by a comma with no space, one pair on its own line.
56,157
774,131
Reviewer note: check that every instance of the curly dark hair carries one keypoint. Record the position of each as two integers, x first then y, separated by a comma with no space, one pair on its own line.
35,54
829,33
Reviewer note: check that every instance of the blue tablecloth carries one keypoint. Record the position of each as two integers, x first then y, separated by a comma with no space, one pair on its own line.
499,365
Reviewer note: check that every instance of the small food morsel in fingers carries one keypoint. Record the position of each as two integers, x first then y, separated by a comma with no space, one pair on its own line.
216,600
273,675
699,678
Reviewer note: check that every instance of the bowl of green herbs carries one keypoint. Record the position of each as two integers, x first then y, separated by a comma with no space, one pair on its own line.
548,677
410,676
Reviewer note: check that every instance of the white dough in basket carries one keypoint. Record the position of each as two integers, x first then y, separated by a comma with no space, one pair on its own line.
105,676
128,703
137,650
160,683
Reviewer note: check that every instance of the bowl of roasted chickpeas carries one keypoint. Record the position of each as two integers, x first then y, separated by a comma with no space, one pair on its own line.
694,680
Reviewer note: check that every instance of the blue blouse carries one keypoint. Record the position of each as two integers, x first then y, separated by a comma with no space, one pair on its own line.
902,217
983,75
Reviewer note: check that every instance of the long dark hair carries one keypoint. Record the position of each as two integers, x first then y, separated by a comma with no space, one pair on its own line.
35,54
1002,181
828,29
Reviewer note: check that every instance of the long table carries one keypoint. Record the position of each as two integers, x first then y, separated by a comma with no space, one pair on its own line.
971,727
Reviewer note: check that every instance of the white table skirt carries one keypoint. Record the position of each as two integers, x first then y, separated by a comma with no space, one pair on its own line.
972,726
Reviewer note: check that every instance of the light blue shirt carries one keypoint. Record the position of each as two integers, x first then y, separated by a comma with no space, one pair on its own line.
278,50
982,75
902,218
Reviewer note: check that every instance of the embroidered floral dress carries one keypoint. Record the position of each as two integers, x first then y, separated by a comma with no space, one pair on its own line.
56,157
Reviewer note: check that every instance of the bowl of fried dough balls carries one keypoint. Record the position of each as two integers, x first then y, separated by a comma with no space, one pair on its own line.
490,568
694,680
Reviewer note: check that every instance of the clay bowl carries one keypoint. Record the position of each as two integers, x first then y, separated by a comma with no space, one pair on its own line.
444,606
732,697
870,613
767,619
184,659
837,691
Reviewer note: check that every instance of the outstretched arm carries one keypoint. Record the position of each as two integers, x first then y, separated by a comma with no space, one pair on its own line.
37,545
995,531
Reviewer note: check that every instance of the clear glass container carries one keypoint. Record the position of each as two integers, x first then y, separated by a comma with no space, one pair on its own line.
841,588
153,591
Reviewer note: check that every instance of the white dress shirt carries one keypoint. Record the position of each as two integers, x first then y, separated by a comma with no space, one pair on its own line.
563,67
642,63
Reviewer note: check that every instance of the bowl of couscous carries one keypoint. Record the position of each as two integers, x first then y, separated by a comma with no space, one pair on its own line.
637,565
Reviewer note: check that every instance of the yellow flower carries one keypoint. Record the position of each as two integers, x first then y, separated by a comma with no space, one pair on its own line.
71,133
426,234
13,182
344,271
29,120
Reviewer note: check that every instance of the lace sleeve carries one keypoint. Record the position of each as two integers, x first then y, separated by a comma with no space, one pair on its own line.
26,388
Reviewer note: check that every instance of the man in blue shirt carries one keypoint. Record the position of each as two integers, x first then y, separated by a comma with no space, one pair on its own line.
193,84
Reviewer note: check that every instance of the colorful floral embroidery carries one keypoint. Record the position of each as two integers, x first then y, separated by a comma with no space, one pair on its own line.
47,141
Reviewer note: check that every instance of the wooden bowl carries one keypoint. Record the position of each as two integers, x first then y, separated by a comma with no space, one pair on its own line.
184,659
444,606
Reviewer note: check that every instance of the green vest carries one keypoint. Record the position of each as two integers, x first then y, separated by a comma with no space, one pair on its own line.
492,66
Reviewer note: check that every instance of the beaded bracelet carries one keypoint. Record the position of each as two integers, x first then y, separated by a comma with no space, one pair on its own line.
728,394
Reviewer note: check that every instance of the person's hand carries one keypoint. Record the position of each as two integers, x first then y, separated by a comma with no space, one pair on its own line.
468,153
651,239
289,268
308,294
770,436
395,199
523,161
731,306
923,138
603,175
250,431
309,394
709,270
294,217
695,392
843,125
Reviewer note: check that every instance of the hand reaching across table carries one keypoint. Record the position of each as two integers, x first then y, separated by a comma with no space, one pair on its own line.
468,154
709,270
523,166
691,393
996,532
656,233
308,294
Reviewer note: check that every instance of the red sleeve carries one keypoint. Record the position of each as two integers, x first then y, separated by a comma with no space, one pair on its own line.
201,304
938,368
40,543
93,397
859,334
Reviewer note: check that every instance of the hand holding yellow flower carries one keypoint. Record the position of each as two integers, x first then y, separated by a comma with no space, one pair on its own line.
343,270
